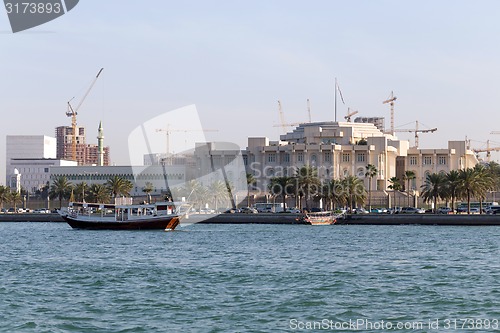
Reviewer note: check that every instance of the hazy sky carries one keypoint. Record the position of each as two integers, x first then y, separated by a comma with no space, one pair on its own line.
235,59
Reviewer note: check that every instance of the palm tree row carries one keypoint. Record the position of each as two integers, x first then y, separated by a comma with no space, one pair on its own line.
61,189
464,184
10,196
216,194
305,184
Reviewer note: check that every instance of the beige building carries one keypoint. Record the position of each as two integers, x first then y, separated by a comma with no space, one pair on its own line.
339,149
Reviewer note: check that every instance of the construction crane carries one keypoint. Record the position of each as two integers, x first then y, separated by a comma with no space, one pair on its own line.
495,132
350,114
391,100
309,110
416,130
283,124
168,131
72,112
486,150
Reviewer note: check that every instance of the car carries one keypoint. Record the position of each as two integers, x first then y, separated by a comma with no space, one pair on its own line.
444,210
394,210
294,210
474,211
376,210
248,210
41,211
412,210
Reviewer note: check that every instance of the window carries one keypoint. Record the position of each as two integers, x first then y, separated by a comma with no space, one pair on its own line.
271,158
413,160
300,157
328,157
442,160
346,157
313,159
286,158
427,160
361,157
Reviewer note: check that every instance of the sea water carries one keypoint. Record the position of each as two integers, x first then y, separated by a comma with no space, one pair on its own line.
250,278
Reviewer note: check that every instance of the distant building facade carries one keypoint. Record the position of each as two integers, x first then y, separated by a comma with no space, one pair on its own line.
26,147
161,177
86,154
34,173
340,149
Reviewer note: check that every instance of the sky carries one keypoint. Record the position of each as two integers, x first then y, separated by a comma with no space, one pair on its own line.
234,60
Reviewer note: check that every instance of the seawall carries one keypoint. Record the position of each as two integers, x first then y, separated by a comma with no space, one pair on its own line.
269,218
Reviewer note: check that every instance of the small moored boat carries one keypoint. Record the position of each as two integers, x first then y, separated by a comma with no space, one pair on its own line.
160,215
321,218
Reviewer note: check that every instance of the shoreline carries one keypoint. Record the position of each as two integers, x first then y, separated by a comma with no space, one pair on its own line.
270,218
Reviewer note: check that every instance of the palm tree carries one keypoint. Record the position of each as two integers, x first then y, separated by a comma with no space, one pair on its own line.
453,181
250,182
469,184
308,182
99,193
15,198
148,188
60,189
371,171
409,176
219,193
434,188
485,184
395,186
4,194
79,192
354,191
119,186
281,186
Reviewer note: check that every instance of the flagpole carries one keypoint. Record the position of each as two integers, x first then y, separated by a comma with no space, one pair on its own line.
335,100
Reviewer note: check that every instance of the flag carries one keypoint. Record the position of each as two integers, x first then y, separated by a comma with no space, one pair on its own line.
340,92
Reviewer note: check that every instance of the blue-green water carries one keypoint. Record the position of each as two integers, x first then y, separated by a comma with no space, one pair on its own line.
249,278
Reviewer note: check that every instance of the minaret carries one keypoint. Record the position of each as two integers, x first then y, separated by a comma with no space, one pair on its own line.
100,145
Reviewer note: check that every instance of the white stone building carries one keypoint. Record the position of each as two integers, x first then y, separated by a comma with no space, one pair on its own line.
339,149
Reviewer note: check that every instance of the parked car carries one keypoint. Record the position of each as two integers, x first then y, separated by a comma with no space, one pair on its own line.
42,211
474,211
412,210
394,210
248,210
444,210
493,210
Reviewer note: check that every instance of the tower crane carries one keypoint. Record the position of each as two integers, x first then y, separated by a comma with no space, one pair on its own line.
309,110
350,114
168,131
495,132
416,130
390,100
486,150
72,112
283,124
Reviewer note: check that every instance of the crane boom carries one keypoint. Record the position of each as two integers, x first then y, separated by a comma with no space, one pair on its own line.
72,112
390,101
416,130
